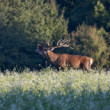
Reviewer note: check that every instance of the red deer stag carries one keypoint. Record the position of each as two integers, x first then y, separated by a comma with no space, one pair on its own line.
63,60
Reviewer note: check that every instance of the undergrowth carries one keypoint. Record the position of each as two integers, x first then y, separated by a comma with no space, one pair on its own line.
50,89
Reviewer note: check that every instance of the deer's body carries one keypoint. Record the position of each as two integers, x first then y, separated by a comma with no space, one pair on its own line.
64,60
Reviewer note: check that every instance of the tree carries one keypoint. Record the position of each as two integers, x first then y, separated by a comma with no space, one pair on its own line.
23,24
89,41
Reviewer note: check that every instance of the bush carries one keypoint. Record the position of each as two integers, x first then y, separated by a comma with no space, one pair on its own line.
23,24
89,41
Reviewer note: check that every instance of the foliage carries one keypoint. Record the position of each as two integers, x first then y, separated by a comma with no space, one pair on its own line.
101,15
25,23
46,89
89,41
89,11
22,25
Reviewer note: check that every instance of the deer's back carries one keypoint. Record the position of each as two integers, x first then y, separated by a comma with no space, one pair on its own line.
71,60
74,60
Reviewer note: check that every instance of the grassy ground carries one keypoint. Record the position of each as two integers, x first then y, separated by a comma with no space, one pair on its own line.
52,90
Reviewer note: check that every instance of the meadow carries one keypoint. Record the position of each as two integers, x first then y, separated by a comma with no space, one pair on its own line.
49,89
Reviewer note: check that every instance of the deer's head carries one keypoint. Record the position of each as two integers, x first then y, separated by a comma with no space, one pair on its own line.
43,50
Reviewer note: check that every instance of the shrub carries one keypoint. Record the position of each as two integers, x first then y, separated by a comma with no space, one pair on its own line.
22,25
89,41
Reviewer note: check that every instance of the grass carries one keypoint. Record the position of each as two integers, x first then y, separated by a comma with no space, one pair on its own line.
52,90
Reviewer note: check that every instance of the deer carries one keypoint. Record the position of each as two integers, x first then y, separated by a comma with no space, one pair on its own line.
64,60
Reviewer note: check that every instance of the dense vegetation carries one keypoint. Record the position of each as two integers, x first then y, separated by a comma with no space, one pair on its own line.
48,90
25,23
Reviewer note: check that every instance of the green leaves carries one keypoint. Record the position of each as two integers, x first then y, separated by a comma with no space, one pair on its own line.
23,24
46,89
89,41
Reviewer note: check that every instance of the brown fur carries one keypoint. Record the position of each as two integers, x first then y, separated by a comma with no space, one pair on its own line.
75,61
62,60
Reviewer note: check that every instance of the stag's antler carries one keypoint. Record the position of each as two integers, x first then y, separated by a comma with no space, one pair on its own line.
48,43
60,43
63,43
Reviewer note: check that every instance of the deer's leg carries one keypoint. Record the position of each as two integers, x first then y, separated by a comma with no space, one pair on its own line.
87,66
63,67
62,63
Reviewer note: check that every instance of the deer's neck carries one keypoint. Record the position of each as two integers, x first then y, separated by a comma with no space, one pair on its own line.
52,56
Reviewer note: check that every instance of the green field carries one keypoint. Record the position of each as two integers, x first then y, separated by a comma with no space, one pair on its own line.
55,90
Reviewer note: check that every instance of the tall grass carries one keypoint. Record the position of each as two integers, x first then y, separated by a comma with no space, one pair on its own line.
55,90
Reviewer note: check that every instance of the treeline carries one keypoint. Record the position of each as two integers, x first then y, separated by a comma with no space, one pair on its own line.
25,23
